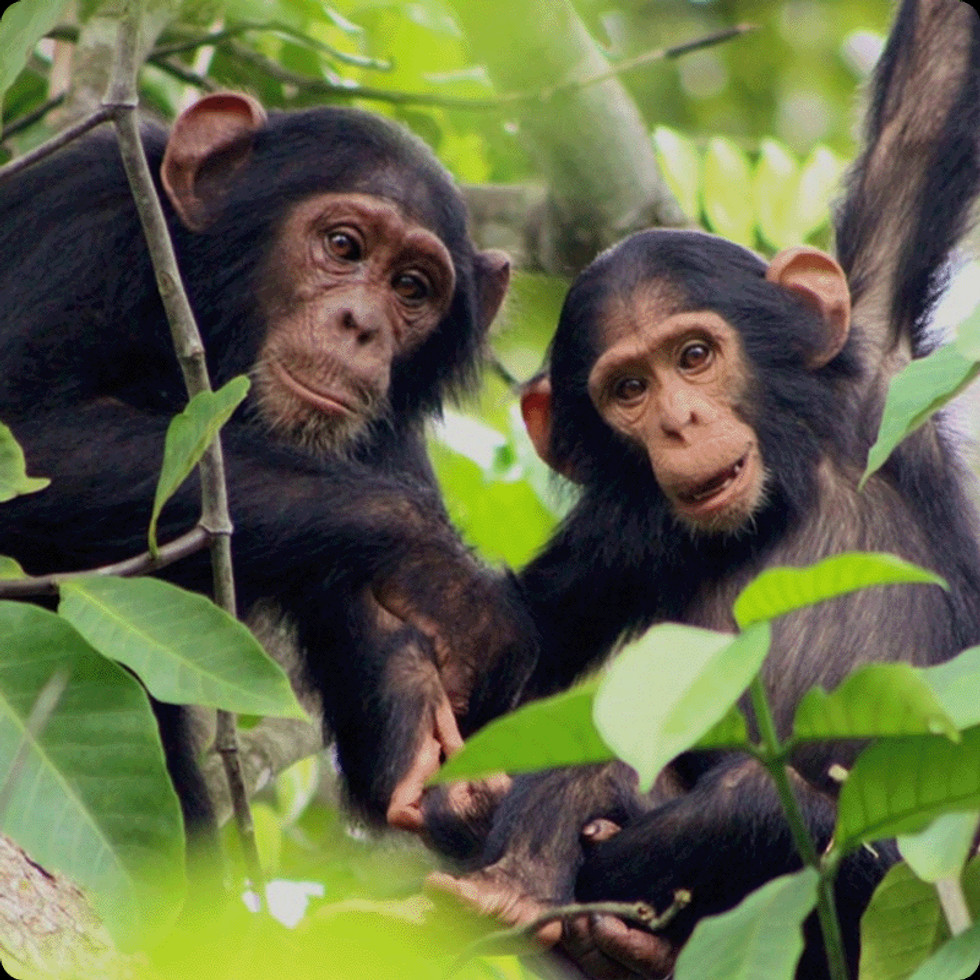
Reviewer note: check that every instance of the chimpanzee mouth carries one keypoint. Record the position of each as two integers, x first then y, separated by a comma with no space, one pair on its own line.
716,485
326,402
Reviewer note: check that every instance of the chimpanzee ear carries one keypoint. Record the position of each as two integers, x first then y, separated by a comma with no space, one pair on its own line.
209,142
492,272
817,279
536,409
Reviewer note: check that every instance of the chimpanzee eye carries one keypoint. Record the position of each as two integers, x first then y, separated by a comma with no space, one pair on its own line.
695,356
343,245
411,286
629,389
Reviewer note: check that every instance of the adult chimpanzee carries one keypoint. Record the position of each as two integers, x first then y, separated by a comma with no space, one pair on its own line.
717,411
325,253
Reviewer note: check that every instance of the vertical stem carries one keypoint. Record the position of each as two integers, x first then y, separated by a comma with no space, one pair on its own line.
954,906
773,760
121,99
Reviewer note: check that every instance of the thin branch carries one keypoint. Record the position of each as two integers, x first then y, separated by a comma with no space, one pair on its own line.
184,74
274,27
101,115
772,757
954,905
620,68
121,99
187,544
637,913
28,119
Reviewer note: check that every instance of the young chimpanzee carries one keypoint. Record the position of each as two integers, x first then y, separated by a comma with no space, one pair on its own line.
717,411
326,254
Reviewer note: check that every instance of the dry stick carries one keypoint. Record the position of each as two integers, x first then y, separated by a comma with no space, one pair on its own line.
638,913
28,119
187,544
121,99
101,115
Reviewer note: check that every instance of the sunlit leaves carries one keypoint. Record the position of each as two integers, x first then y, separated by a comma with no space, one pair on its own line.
899,785
880,699
680,164
91,797
941,850
24,24
727,178
778,591
14,480
555,731
670,687
761,937
182,646
188,436
902,925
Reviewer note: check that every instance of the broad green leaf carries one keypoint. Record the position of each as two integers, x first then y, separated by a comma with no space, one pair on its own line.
14,481
954,960
21,27
775,185
819,184
967,340
9,568
879,699
666,690
727,202
760,938
778,591
901,926
188,436
900,785
730,732
181,645
920,389
941,850
680,163
90,796
955,684
555,731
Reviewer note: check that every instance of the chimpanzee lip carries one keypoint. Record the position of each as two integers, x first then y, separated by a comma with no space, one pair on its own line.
325,401
710,489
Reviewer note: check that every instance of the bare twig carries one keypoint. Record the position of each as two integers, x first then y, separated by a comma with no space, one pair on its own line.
29,118
636,913
121,99
954,905
274,27
187,544
180,71
101,115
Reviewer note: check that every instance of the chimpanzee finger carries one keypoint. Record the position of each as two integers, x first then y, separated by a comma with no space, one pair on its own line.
604,947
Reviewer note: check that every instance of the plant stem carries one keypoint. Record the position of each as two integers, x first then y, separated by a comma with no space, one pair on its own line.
772,757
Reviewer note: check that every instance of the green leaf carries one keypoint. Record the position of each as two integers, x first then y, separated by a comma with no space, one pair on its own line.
879,699
901,926
819,184
727,205
14,481
680,164
920,389
21,27
181,645
775,185
967,340
941,850
761,937
900,785
955,959
555,731
9,568
90,796
188,436
955,684
778,591
667,690
729,733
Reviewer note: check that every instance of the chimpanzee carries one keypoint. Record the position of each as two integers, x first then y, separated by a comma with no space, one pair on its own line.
326,254
717,411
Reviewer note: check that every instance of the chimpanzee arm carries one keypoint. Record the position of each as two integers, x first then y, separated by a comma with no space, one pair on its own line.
909,194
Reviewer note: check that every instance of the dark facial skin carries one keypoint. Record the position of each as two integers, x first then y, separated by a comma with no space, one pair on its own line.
672,383
351,284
